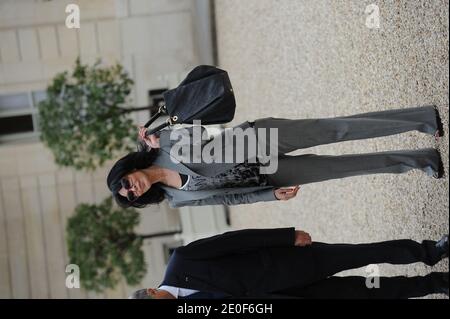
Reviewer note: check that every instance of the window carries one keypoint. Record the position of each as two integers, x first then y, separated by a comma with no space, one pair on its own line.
156,99
19,115
169,247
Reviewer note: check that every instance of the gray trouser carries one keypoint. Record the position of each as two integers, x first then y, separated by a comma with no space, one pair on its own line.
304,133
310,168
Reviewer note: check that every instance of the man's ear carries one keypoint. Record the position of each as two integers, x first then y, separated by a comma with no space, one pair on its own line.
152,292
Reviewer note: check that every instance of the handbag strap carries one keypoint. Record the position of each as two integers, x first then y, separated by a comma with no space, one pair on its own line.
161,111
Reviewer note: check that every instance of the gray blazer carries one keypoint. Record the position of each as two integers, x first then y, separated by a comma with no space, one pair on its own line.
221,196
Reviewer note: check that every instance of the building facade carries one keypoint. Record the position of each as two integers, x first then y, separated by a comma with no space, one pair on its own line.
158,42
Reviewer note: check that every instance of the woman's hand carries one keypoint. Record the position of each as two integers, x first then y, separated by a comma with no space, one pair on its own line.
302,238
286,193
151,140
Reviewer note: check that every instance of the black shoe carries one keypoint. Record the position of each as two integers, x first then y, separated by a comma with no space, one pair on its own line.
441,171
442,246
445,287
440,130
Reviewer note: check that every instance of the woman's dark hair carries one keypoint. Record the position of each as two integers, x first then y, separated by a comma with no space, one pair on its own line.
127,164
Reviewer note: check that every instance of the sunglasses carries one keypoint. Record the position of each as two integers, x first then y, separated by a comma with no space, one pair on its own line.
127,186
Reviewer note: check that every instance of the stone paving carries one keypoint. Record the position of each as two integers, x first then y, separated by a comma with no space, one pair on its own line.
317,58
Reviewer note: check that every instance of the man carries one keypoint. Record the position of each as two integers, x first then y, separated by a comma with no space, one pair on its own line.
285,263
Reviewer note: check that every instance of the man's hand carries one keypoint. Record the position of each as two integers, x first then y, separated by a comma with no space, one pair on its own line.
286,193
302,238
151,140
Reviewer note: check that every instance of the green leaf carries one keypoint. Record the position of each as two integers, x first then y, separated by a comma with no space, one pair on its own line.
81,119
101,241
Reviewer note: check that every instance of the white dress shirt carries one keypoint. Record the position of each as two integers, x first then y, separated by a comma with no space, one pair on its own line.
175,291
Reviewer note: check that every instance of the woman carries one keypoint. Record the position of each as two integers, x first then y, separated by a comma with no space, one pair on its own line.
143,178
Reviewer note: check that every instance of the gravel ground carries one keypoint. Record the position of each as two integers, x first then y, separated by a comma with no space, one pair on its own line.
316,58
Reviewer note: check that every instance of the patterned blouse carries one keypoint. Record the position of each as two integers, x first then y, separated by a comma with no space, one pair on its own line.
242,175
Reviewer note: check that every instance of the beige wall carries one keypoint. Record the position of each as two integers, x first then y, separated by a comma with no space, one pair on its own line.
156,42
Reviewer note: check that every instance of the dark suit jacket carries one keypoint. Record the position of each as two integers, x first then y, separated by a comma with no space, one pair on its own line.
252,263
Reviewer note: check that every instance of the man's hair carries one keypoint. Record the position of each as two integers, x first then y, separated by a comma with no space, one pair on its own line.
140,294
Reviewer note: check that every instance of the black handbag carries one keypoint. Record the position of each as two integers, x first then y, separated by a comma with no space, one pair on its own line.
205,94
